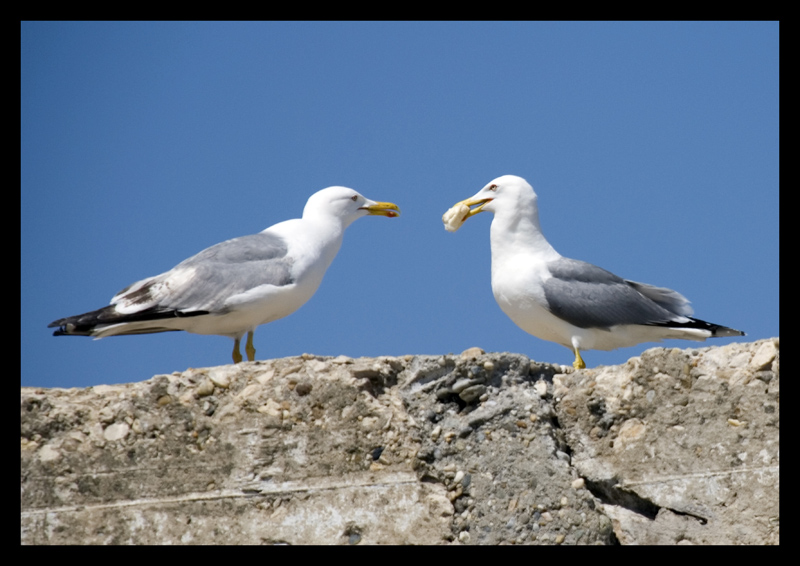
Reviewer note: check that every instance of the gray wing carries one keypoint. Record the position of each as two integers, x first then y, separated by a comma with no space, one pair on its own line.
197,286
588,296
217,273
263,253
667,298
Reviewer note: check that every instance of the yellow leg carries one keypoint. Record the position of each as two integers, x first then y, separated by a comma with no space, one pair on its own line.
578,363
249,348
237,357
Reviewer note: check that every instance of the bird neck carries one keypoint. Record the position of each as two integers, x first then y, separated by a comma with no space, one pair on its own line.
329,233
520,234
315,240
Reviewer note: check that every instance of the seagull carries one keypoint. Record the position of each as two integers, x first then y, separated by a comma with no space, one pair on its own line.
232,287
567,301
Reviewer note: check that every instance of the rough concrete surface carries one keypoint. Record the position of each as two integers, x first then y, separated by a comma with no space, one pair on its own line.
672,447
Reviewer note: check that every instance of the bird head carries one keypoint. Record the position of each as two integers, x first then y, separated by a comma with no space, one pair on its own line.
347,205
508,194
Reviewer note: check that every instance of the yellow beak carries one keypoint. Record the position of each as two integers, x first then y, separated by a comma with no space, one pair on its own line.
382,209
472,202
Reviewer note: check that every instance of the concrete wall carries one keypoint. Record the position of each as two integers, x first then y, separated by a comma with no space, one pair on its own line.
673,447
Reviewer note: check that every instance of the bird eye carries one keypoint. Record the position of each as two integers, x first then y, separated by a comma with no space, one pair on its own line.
492,187
354,198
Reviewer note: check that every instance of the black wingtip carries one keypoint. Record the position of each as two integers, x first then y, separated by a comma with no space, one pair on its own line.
69,330
716,330
725,332
72,326
61,324
719,331
85,324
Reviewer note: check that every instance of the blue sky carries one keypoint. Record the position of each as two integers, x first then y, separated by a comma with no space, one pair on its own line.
653,148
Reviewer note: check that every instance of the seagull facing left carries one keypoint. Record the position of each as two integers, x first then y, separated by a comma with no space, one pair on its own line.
231,288
567,301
